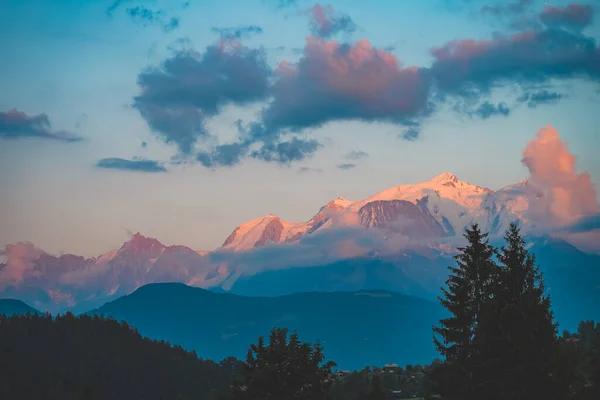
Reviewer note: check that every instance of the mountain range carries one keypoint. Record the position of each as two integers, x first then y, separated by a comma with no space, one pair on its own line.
401,240
356,328
441,207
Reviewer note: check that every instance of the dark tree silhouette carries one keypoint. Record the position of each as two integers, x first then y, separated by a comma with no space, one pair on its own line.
518,354
285,369
468,289
70,357
377,390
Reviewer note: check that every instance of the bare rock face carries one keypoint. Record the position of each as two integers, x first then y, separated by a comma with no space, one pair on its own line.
400,216
271,233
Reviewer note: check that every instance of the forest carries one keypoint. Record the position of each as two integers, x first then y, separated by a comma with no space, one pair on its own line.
500,341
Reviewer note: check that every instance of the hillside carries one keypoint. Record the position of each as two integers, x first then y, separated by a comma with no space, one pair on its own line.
356,328
93,358
11,307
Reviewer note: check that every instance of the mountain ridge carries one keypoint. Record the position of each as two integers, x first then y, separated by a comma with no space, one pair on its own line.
397,231
11,307
451,202
218,325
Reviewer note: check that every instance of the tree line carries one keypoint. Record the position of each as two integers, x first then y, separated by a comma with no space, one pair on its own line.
499,342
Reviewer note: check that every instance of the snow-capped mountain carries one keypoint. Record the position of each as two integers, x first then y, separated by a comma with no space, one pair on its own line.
398,239
442,206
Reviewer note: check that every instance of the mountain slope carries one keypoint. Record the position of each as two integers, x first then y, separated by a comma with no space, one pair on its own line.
442,206
356,328
42,357
11,307
572,277
409,274
75,283
424,220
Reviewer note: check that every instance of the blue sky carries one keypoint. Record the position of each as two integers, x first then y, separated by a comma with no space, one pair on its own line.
80,63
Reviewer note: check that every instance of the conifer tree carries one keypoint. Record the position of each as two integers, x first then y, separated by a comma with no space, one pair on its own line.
468,289
519,357
285,369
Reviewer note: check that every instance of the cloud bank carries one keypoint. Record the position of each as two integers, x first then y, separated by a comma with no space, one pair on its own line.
334,81
15,124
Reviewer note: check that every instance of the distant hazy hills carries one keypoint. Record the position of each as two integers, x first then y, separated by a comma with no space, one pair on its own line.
11,307
356,329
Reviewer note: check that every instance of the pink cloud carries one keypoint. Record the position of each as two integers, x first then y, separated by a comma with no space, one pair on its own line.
20,263
334,81
573,15
569,195
325,22
524,57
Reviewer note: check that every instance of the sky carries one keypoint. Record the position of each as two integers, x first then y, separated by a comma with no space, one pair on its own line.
183,119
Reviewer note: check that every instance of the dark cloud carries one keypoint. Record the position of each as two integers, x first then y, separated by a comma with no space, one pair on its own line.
171,25
145,14
346,166
15,124
131,165
356,155
573,16
285,152
280,4
148,16
411,133
486,110
325,22
225,155
534,99
178,96
510,8
334,82
114,5
473,67
304,170
239,32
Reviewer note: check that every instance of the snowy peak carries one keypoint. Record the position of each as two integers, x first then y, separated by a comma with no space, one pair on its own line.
263,230
449,180
337,204
441,206
445,177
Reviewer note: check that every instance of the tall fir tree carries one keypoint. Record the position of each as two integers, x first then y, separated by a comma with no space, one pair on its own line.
519,357
468,289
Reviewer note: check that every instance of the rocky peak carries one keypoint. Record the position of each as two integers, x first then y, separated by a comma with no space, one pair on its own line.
139,243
